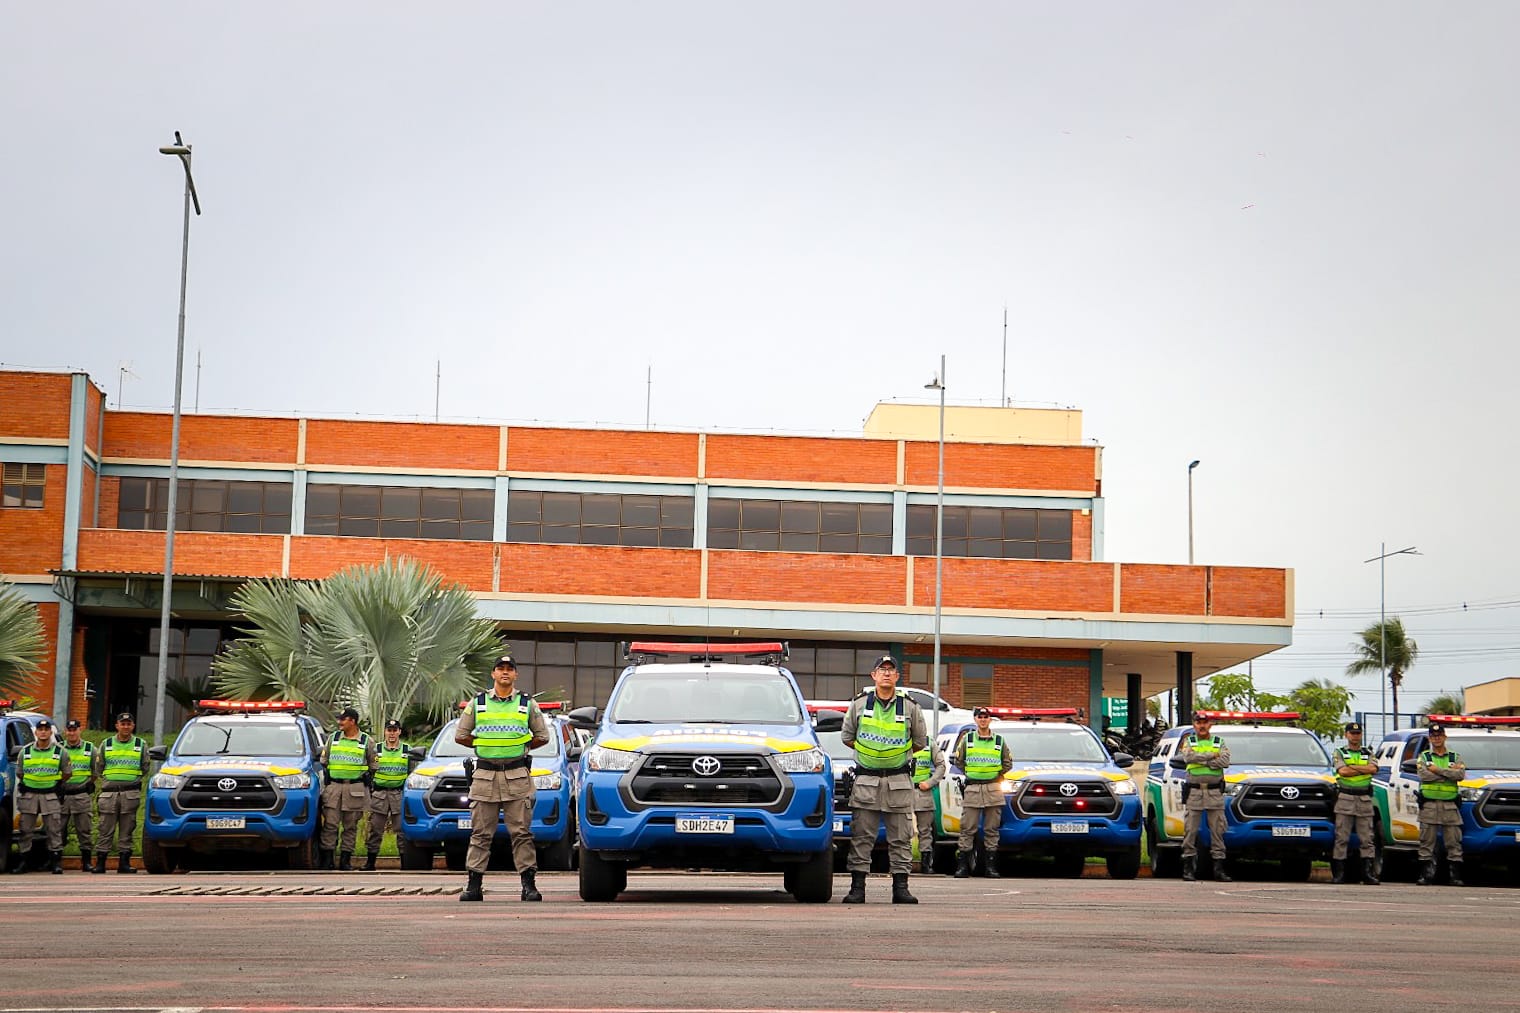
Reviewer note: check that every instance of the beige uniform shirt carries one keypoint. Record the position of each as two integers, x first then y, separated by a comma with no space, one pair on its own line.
895,792
503,785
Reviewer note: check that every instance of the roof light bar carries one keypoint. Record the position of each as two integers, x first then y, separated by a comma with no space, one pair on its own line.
640,649
1248,715
6,705
1468,720
838,708
233,706
551,705
1033,712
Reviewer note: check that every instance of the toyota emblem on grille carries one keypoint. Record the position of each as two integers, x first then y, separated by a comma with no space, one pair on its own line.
706,766
1289,792
227,784
1068,789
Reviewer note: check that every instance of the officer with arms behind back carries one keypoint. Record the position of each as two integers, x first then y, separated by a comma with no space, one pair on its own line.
79,792
985,758
385,793
1440,770
1354,768
1205,756
42,768
123,763
928,772
349,759
502,726
885,728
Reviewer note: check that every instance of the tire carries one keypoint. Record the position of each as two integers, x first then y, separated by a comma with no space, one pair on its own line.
944,859
1296,869
415,857
601,880
156,858
454,858
1124,865
303,855
559,856
6,824
1166,863
1069,864
813,881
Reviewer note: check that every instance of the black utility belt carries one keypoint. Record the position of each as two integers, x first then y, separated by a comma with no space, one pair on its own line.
121,786
83,790
346,780
983,780
37,791
1205,786
520,762
906,768
1354,791
387,787
1426,798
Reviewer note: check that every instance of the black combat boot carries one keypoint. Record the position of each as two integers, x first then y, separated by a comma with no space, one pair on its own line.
1220,876
370,860
57,866
1369,872
124,864
992,868
325,861
529,887
1337,871
857,894
1190,869
963,865
346,861
472,889
23,859
1427,874
1454,873
900,894
100,861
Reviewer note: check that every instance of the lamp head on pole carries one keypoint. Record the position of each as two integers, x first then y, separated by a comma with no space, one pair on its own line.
181,150
1193,465
934,384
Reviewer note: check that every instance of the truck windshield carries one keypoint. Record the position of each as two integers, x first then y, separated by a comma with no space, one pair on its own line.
1052,743
238,738
445,746
1490,751
763,697
1296,749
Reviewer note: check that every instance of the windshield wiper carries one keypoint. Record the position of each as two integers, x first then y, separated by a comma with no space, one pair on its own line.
632,721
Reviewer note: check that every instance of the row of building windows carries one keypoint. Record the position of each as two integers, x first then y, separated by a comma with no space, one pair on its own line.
368,511
22,486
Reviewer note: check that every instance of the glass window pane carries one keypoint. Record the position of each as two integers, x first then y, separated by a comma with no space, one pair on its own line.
133,520
878,545
955,523
1019,525
836,661
359,501
1055,550
556,652
678,538
840,518
677,511
953,547
525,506
760,515
764,541
438,529
723,513
600,509
321,501
592,534
525,650
562,508
475,531
796,542
398,528
595,652
202,640
986,522
802,659
245,497
920,522
477,504
244,523
641,511
838,543
400,504
1055,525
722,538
1019,550
275,524
522,532
277,498
920,546
986,548
800,517
133,494
207,497
440,504
876,519
359,527
321,525
639,536
560,534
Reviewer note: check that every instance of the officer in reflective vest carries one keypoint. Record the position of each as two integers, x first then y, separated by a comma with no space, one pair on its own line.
349,759
928,772
41,770
503,726
392,766
1440,772
122,763
885,729
79,792
1354,768
985,758
1206,757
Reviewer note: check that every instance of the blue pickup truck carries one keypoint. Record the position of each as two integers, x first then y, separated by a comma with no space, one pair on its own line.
700,762
16,727
435,806
241,776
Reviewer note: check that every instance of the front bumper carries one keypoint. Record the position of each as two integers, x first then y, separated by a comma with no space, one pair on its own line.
1047,834
293,820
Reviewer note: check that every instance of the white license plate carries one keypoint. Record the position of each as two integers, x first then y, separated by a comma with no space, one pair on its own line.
226,823
839,827
466,823
1290,831
704,824
1068,828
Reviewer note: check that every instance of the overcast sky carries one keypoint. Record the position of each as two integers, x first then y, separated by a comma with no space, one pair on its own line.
1279,238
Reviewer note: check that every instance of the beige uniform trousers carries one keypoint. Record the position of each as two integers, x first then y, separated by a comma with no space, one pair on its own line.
876,800
343,805
1204,799
118,815
36,808
501,795
384,814
1353,812
1443,815
79,814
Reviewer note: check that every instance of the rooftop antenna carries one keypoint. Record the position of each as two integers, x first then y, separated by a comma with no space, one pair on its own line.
123,370
437,386
648,391
197,378
1005,355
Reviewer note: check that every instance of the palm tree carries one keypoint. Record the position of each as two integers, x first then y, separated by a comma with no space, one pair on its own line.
381,639
1446,703
1380,642
22,645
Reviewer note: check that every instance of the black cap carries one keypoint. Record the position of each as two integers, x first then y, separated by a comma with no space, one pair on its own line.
1435,727
981,712
505,661
44,723
73,723
1352,726
392,723
885,661
126,716
348,712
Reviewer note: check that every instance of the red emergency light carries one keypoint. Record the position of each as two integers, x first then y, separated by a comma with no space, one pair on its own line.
6,705
706,652
1248,715
1032,712
838,708
554,705
231,706
1475,720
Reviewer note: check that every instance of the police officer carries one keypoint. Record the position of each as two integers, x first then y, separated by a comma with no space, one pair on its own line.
928,772
1206,757
502,725
1354,768
393,765
1440,769
122,763
42,768
79,792
885,728
349,759
985,758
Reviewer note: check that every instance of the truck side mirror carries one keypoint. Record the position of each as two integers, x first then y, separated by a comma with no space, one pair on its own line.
417,752
1408,767
583,717
1123,760
828,721
159,753
1178,763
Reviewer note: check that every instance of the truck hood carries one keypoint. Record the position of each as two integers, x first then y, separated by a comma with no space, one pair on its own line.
684,738
234,765
1491,779
1024,771
1298,775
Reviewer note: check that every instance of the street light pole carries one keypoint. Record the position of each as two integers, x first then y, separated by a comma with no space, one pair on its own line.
938,383
1190,511
1382,561
181,150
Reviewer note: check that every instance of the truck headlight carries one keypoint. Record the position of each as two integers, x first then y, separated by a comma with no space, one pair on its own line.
1470,794
1233,787
549,782
422,782
606,758
805,761
167,781
1124,787
292,780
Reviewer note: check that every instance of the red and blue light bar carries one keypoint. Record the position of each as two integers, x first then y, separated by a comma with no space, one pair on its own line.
706,652
1467,720
235,706
1033,712
1248,715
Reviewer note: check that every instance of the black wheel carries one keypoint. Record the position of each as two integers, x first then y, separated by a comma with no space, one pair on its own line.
453,859
601,880
558,857
415,857
1124,865
944,859
1296,869
813,882
841,858
1069,864
303,855
6,824
1166,863
156,858
789,878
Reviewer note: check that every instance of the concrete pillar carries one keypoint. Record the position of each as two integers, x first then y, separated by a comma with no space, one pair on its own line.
1184,687
1136,701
